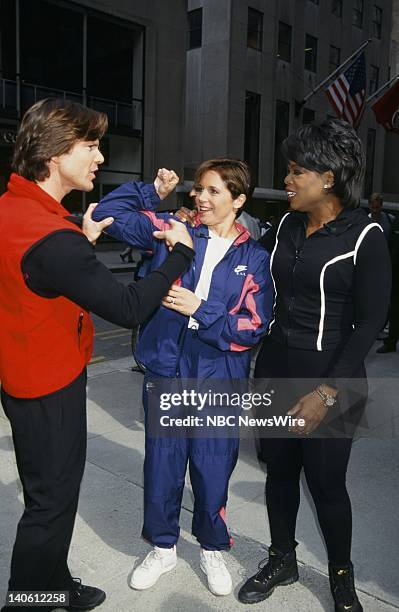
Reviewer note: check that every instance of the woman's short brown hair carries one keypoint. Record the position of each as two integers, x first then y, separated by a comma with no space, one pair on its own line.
50,128
234,172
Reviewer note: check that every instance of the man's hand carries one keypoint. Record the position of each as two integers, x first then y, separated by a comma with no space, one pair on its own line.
182,300
186,215
165,182
311,409
93,229
176,233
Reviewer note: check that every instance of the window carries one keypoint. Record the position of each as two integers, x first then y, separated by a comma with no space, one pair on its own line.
255,29
357,15
370,154
377,21
7,40
194,34
114,57
334,58
374,77
336,8
284,41
280,133
307,115
45,26
311,53
252,130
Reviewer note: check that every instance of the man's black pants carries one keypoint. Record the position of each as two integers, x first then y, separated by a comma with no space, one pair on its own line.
50,437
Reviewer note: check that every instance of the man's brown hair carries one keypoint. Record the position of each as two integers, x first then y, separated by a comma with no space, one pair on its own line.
234,172
50,128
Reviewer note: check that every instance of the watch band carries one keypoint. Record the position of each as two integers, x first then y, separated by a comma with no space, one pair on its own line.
328,400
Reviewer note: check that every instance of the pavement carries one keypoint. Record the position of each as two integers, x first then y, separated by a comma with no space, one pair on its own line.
107,543
111,258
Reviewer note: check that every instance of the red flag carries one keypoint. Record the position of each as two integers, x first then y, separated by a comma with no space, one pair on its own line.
347,94
386,109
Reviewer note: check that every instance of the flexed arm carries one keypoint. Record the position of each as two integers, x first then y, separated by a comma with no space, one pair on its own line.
133,205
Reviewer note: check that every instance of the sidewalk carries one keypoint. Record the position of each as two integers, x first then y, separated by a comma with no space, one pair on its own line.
111,258
107,541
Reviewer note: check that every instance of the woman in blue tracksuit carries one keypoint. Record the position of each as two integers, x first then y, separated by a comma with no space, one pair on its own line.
205,328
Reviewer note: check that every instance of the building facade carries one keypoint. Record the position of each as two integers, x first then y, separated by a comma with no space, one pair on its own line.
250,63
123,58
391,153
185,80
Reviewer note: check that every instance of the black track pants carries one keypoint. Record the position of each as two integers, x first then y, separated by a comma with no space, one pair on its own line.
323,459
49,435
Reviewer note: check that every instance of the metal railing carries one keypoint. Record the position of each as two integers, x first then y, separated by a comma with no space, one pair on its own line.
120,114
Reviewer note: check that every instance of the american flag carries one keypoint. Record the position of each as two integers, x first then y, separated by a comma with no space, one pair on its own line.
347,94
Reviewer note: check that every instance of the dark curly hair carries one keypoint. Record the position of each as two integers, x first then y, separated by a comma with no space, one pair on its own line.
50,128
330,145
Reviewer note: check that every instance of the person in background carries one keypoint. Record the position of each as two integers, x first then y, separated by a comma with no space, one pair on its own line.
331,271
50,280
205,329
252,224
390,342
127,254
386,220
143,267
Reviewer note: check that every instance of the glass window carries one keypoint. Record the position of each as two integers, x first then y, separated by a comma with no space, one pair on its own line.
7,39
377,21
255,29
357,15
284,41
336,8
194,34
374,78
334,58
307,115
113,57
280,133
51,46
311,53
252,130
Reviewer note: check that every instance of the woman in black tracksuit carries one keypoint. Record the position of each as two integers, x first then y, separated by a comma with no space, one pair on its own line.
331,271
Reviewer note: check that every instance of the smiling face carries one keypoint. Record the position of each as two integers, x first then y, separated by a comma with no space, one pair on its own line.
214,203
76,169
306,188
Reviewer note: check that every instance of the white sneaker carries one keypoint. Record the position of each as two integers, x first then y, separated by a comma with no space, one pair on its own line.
214,566
157,562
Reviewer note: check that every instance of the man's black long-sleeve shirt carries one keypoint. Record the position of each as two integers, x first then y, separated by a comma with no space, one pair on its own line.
64,263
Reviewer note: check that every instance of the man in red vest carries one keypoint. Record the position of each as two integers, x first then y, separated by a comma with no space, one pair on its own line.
50,280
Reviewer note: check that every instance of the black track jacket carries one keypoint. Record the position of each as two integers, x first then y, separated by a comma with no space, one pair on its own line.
332,288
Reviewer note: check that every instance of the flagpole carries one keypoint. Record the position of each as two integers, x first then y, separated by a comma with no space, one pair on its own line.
299,105
375,94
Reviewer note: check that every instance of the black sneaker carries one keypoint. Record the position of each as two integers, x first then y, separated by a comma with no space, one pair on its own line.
342,585
82,597
281,569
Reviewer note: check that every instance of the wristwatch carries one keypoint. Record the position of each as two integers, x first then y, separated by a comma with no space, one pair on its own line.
328,400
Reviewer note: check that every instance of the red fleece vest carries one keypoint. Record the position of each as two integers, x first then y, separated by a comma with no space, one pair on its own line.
44,343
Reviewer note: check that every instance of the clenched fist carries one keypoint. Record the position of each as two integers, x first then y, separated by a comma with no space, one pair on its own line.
165,182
